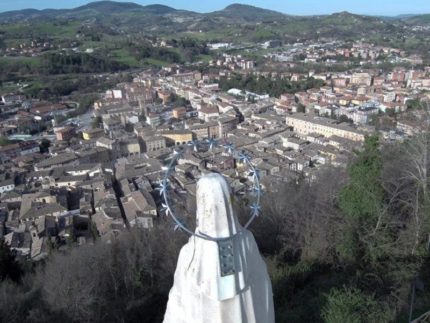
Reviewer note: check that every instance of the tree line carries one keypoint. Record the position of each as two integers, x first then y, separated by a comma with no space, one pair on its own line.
58,63
66,63
268,85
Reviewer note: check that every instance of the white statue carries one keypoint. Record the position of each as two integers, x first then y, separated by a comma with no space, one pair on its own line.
224,281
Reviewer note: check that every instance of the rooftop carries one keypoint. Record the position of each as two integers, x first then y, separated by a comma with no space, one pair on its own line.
57,160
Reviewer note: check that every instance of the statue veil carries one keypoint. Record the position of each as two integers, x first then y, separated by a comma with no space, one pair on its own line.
222,281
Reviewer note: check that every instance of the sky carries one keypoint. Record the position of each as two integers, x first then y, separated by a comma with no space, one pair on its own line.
296,7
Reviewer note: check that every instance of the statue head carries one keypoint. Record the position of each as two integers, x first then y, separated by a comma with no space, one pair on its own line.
215,216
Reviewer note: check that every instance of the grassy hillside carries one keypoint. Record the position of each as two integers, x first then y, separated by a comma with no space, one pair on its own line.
246,13
116,28
420,19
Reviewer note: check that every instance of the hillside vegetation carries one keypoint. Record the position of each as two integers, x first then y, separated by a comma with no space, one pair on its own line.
349,247
156,19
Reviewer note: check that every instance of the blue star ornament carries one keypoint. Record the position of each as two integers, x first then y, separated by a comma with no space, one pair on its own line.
244,158
179,225
255,209
229,148
165,208
212,143
163,188
193,144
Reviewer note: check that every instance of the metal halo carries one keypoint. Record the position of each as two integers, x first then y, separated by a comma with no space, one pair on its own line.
255,207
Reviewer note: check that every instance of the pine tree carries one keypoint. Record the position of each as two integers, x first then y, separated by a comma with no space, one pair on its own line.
361,202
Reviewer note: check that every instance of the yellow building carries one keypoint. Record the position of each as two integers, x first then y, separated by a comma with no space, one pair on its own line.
92,134
179,112
344,101
361,79
177,137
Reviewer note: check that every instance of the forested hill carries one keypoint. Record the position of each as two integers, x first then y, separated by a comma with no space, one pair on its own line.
236,21
91,10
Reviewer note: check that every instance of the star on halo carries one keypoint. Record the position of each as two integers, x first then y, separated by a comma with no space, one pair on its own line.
255,208
212,143
166,209
229,148
163,188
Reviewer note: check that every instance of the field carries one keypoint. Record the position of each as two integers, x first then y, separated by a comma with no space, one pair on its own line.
123,56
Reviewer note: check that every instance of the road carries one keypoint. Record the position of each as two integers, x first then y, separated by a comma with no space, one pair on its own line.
83,121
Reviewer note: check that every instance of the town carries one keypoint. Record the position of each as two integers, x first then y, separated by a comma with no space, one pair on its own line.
97,174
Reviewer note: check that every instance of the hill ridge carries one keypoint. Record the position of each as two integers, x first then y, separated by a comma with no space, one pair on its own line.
106,4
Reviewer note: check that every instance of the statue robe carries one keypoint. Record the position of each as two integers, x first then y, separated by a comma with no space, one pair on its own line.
200,293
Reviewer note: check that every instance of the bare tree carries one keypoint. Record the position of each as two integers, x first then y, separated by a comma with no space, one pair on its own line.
406,180
299,219
127,280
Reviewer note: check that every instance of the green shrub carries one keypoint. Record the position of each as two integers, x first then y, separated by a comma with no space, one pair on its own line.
353,306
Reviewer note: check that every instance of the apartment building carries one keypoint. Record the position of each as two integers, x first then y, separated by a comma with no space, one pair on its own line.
305,124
